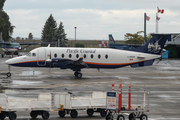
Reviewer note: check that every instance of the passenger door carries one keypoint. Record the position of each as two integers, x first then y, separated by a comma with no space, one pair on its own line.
41,57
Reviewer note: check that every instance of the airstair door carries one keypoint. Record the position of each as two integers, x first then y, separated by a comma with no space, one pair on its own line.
41,58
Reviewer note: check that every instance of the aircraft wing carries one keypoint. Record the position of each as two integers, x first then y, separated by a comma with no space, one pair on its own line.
3,43
75,65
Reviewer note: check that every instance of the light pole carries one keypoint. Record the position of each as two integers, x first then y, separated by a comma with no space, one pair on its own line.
75,36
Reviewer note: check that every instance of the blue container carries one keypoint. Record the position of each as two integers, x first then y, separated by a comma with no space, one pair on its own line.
165,54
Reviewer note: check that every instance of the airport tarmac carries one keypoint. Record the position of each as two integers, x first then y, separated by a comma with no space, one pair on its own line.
162,80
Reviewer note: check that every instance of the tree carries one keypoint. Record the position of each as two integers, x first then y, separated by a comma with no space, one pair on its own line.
2,4
134,38
30,36
49,29
79,45
60,35
5,25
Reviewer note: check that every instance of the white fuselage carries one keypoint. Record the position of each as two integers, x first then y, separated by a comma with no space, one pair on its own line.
100,57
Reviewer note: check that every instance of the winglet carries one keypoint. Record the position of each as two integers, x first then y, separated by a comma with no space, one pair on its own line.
49,45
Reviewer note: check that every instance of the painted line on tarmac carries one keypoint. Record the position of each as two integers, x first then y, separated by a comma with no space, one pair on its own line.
86,83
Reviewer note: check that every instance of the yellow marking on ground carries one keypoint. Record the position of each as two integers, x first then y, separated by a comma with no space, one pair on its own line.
54,86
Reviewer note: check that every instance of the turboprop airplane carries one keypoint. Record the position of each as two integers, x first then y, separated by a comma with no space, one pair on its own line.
79,58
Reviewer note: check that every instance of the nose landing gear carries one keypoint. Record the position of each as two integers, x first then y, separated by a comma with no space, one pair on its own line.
78,74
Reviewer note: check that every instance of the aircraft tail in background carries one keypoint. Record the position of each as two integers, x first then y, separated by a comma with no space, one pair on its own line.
111,39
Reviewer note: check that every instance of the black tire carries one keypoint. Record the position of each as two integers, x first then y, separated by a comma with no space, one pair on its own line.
8,74
2,116
74,113
120,117
75,73
2,55
132,116
103,112
45,115
143,117
90,112
12,116
109,117
79,75
33,115
61,113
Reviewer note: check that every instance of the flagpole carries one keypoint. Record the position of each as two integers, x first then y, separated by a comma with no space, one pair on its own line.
144,28
157,21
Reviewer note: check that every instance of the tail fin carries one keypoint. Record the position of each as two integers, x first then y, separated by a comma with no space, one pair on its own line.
155,45
111,39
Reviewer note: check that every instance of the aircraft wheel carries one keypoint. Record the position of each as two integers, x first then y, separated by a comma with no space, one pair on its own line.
75,73
2,55
8,74
78,74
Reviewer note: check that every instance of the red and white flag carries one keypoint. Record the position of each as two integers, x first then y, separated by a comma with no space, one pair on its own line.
160,10
147,18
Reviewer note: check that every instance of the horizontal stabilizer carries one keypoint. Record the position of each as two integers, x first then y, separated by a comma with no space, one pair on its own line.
141,64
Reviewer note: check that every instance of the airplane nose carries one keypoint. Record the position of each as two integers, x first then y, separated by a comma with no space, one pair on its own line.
7,62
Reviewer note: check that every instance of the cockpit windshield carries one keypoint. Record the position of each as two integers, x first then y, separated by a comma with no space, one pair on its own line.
29,54
15,44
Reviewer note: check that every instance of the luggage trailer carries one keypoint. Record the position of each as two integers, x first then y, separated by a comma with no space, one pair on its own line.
116,109
46,102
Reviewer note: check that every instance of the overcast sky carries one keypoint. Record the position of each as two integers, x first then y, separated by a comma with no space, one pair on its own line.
94,19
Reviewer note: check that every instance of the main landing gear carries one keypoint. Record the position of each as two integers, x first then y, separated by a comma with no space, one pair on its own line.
78,74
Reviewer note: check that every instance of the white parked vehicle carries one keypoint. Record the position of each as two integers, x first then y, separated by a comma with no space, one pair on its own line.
46,102
95,103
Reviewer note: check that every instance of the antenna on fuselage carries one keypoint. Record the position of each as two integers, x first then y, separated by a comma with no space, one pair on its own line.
49,45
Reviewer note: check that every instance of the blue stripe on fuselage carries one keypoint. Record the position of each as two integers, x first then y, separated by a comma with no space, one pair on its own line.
34,64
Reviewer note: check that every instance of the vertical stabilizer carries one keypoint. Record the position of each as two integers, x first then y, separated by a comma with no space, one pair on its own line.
111,39
155,45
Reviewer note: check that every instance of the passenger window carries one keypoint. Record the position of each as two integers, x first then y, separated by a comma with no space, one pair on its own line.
62,55
99,56
70,55
77,55
106,56
33,54
55,55
92,56
84,55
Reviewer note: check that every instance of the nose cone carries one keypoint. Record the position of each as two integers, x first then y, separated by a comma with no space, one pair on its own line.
9,62
13,61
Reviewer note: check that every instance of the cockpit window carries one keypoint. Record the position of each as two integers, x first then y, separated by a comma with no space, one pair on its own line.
34,54
29,54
